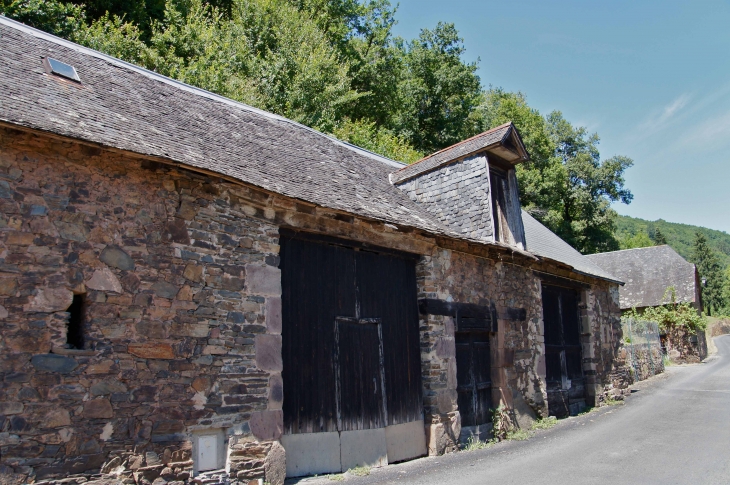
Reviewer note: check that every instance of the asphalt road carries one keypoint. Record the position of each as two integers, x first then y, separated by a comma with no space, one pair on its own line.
672,429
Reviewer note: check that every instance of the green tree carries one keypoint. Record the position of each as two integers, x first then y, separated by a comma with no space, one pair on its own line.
439,93
52,16
709,269
588,221
659,237
726,292
366,134
565,184
638,240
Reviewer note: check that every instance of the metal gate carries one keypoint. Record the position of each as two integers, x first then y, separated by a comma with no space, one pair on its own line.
563,351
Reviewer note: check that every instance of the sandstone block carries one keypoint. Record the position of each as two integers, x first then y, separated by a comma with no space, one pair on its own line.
3,312
104,280
443,436
151,350
72,232
29,341
275,465
263,280
8,286
177,231
193,272
116,257
53,363
20,238
214,350
273,315
10,407
151,329
107,386
201,384
98,409
163,289
56,418
50,300
446,348
268,352
276,392
267,425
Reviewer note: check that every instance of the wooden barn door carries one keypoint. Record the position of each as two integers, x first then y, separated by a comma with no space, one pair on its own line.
563,351
351,353
474,381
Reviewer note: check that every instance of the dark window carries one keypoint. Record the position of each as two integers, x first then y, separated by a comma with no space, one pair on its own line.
75,332
499,203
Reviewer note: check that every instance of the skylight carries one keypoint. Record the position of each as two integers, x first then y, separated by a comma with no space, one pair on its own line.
62,69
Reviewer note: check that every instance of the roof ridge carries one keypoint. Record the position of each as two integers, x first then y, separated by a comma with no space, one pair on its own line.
633,249
14,24
491,130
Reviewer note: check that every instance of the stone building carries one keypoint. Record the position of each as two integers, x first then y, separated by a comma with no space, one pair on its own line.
648,273
189,284
653,277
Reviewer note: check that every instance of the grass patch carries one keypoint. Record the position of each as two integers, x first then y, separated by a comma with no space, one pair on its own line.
474,443
336,478
667,361
359,471
613,402
545,423
518,435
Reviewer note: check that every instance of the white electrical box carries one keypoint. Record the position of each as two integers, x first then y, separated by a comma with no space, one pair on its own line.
207,456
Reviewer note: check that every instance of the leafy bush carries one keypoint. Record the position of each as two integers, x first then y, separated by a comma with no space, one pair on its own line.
672,315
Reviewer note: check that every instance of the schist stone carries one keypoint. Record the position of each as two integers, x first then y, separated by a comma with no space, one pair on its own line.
53,363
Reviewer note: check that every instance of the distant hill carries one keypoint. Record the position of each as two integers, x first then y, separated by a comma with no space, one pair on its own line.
679,236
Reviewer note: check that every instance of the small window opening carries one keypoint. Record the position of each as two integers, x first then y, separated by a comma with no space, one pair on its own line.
61,69
75,332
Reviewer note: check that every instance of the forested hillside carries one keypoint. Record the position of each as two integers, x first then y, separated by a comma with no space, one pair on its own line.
633,232
336,66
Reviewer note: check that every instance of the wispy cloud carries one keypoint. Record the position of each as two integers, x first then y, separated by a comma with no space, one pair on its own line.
710,132
659,119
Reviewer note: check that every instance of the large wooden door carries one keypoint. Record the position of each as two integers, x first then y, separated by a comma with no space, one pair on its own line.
563,351
473,377
350,339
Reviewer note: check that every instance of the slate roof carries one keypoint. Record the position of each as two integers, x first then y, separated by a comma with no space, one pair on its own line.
542,242
648,272
461,149
122,106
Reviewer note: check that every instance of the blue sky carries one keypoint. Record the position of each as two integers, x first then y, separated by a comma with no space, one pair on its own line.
652,78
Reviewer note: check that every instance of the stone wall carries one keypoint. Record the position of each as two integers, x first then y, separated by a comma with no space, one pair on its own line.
178,271
182,315
518,363
602,340
517,349
645,360
683,346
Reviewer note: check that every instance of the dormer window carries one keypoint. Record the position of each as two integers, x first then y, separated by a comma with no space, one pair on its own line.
506,216
471,187
500,191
